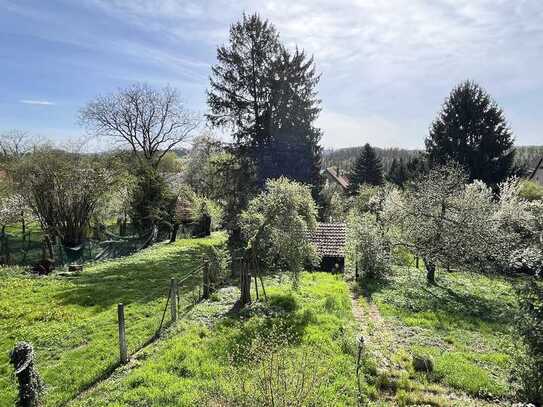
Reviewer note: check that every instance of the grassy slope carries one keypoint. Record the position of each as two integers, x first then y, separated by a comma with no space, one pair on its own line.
203,364
72,320
463,324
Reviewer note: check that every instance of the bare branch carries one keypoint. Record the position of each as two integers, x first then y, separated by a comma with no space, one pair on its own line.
150,122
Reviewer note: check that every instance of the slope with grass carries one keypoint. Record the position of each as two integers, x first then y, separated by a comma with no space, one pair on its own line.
71,321
464,325
297,348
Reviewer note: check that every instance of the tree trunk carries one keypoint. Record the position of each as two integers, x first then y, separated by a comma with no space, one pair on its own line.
245,285
430,272
173,236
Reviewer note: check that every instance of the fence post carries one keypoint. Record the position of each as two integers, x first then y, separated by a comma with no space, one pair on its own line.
122,334
417,261
206,289
173,298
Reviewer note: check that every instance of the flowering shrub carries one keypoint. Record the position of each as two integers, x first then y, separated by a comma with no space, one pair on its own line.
528,259
367,245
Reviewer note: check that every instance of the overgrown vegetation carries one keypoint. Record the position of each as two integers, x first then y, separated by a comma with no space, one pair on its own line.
71,321
296,350
464,326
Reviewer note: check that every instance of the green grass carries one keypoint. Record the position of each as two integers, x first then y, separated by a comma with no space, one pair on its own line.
71,321
464,324
308,332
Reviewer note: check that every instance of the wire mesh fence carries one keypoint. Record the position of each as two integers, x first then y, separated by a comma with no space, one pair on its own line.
30,246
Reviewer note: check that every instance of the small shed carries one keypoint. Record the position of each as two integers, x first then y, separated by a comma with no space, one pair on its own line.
329,238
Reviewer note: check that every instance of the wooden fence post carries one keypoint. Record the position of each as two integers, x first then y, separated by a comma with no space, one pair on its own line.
173,298
206,280
122,334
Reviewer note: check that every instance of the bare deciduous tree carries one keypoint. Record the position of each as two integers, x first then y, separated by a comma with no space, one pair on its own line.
14,144
149,121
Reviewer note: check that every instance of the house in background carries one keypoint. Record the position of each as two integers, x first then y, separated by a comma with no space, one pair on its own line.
333,176
536,174
329,238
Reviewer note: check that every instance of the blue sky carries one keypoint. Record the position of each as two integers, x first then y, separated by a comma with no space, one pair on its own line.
386,65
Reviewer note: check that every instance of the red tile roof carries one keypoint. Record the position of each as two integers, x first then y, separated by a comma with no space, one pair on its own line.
340,179
330,239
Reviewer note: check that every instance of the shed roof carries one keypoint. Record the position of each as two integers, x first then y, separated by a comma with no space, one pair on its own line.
329,239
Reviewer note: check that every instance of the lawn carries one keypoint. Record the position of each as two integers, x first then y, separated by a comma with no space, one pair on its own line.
300,345
464,325
71,321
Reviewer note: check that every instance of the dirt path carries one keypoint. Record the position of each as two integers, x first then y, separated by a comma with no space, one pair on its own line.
386,343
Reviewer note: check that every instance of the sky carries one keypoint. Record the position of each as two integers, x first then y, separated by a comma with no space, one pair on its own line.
386,65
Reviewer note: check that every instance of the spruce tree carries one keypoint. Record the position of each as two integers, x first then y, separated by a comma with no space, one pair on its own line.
366,170
397,173
267,96
471,130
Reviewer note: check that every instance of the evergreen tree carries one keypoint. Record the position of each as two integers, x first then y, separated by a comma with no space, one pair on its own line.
398,172
367,170
267,96
471,130
293,149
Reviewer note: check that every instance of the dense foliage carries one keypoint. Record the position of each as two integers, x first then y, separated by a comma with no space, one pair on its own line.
267,96
277,225
367,169
63,190
368,248
471,129
528,372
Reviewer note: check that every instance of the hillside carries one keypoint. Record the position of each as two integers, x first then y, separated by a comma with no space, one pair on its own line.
527,156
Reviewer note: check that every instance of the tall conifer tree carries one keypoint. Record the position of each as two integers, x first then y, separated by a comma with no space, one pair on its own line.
367,169
471,129
267,96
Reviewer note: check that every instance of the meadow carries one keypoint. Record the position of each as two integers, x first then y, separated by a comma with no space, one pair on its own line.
72,321
299,344
297,349
464,325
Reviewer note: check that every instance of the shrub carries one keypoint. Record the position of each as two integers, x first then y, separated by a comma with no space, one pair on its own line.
274,375
219,261
367,246
528,370
531,190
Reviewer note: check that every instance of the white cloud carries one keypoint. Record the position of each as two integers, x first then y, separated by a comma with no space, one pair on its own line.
386,65
36,102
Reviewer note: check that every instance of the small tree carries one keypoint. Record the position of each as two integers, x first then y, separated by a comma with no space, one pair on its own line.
367,169
150,122
276,227
152,203
447,222
199,172
14,145
471,130
368,247
12,209
63,190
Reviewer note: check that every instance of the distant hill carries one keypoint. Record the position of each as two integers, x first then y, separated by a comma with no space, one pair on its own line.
344,157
